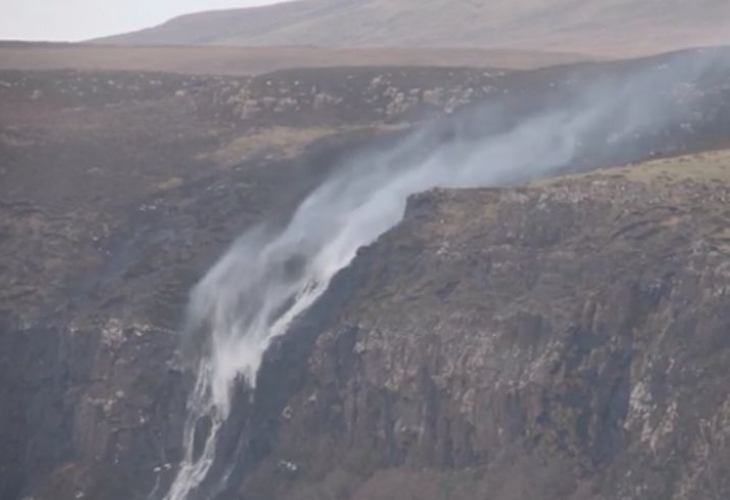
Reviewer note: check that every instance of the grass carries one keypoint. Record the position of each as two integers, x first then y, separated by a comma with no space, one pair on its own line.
713,166
283,141
252,61
708,167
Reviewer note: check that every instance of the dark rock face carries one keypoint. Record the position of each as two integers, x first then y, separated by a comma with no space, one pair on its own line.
493,333
33,405
564,341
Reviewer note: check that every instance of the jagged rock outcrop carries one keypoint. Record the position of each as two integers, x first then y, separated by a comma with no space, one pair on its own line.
564,340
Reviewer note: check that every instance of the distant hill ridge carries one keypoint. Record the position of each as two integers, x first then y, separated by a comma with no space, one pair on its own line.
608,27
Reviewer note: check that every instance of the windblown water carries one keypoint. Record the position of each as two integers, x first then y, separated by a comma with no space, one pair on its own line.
269,278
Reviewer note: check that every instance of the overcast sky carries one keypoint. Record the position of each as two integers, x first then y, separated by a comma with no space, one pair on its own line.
74,20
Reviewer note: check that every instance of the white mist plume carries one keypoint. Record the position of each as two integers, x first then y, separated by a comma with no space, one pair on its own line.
266,280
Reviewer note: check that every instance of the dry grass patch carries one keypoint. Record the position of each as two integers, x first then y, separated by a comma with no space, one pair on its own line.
711,167
706,167
278,142
252,61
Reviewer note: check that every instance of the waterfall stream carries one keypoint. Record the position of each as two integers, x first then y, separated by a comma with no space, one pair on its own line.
268,278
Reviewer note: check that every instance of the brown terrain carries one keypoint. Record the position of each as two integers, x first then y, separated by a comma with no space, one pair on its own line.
559,341
117,191
617,28
565,338
257,60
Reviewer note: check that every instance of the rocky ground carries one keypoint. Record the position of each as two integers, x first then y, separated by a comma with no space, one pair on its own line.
563,340
118,190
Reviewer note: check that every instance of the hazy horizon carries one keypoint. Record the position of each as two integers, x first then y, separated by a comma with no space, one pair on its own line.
78,20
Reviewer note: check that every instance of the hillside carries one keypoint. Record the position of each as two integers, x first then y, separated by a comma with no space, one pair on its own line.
566,340
539,343
613,27
213,60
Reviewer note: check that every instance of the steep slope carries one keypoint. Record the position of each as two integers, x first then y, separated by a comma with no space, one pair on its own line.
568,340
118,190
618,27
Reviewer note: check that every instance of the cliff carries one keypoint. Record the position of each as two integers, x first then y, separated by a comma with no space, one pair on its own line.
564,338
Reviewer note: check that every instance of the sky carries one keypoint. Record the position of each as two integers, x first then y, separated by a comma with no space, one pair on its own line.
76,20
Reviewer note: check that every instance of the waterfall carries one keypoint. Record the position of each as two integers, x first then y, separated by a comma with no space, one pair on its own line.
268,278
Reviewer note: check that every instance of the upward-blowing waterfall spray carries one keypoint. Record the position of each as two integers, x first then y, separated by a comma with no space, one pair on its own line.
268,278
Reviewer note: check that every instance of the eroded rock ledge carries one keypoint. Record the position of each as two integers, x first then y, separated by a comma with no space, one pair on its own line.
564,340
